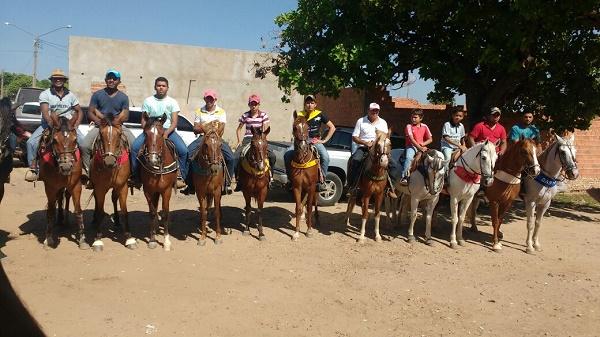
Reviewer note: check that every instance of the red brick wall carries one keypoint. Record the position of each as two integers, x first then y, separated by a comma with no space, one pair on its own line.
350,106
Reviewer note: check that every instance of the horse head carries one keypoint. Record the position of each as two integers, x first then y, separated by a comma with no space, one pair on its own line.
487,160
435,164
566,153
300,133
210,149
380,151
110,136
257,154
64,144
527,150
154,142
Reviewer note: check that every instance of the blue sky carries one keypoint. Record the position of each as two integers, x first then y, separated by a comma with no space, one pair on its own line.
232,24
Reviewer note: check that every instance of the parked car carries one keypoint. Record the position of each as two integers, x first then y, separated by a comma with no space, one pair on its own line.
339,148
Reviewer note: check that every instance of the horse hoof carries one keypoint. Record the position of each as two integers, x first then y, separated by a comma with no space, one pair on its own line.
461,243
500,235
167,248
429,242
218,241
262,238
132,246
530,251
453,245
48,243
378,239
360,241
497,248
295,237
309,234
411,239
201,242
538,248
84,246
97,249
246,233
228,231
152,244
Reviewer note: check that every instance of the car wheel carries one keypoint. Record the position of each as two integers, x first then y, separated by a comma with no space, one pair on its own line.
332,192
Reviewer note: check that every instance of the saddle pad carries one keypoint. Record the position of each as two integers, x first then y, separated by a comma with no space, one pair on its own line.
122,159
48,158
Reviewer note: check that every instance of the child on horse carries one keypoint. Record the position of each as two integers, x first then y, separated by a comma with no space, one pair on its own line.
417,137
315,119
453,134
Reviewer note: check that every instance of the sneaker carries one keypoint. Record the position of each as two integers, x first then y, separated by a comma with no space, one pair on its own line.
228,190
404,181
391,193
189,190
180,184
31,175
134,182
238,187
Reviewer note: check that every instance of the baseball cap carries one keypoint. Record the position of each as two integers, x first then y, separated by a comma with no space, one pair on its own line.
210,93
309,98
114,72
495,111
254,98
374,106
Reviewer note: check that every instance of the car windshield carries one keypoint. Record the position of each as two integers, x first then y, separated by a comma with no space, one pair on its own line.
31,109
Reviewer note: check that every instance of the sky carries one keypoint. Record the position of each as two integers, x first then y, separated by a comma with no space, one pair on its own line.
231,24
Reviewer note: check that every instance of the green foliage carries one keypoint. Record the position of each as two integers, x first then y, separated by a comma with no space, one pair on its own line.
519,55
14,81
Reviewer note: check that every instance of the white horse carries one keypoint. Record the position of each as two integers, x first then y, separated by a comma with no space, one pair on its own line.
464,181
434,166
540,190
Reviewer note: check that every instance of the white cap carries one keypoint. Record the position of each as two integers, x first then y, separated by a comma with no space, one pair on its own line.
373,106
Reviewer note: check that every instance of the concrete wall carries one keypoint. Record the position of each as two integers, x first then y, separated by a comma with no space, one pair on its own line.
229,72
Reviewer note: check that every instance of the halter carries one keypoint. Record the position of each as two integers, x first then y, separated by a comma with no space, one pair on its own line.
377,154
432,184
466,165
215,158
67,155
255,156
154,157
104,154
301,146
562,157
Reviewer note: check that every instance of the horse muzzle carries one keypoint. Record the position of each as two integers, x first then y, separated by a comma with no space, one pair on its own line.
487,180
65,167
384,161
573,174
110,160
214,168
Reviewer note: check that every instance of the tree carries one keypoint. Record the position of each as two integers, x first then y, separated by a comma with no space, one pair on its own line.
519,55
14,81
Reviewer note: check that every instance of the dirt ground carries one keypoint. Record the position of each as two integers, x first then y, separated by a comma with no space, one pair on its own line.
327,285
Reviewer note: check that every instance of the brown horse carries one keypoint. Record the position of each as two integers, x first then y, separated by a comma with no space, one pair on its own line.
60,170
159,175
110,168
304,175
372,183
208,176
507,181
5,151
254,176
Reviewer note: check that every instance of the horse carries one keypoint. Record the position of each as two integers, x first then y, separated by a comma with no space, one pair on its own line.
110,168
372,183
502,192
60,170
254,176
540,190
208,176
5,150
304,175
425,184
464,180
159,176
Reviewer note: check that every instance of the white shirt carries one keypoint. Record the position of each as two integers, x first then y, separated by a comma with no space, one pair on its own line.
204,116
365,130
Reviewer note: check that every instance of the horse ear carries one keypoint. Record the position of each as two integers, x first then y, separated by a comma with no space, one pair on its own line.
72,122
295,114
220,128
163,118
266,132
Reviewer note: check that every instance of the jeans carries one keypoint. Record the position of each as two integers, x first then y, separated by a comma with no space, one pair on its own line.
88,143
447,151
323,158
33,143
180,147
356,160
225,149
12,141
410,155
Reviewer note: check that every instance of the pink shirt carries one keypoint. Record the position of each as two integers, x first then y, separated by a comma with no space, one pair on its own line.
420,133
482,131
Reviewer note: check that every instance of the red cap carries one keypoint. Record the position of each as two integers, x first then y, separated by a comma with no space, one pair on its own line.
254,98
210,93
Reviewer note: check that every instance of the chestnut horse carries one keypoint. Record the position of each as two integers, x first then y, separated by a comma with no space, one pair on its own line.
159,175
5,151
110,168
254,176
60,170
507,181
372,183
208,176
304,175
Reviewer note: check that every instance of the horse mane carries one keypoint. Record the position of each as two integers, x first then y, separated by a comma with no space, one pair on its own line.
512,153
213,127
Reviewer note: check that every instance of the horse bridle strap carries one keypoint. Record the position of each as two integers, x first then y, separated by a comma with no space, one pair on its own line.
507,177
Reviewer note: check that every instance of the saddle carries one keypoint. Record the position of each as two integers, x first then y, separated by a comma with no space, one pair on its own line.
315,161
97,149
174,166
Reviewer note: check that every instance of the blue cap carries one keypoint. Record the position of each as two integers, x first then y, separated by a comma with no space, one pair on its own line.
113,72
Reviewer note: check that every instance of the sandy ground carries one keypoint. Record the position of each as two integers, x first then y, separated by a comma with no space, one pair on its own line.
324,286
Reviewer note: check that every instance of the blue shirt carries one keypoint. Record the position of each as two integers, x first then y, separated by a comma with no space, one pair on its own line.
109,105
529,132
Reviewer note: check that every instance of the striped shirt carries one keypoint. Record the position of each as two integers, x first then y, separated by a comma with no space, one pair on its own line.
256,122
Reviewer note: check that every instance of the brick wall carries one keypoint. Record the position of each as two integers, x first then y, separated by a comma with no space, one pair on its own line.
350,106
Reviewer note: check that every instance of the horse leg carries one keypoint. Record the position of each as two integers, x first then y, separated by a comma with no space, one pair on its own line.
166,197
99,196
60,198
414,205
130,241
298,199
50,217
494,214
404,209
376,209
429,211
76,193
473,213
114,196
530,208
539,216
203,213
310,201
351,203
317,220
454,212
66,215
364,216
261,201
152,199
217,211
248,210
463,207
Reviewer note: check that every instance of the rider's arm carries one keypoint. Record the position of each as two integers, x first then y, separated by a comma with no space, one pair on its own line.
123,116
198,128
45,108
94,115
174,118
502,146
360,141
237,132
79,117
329,133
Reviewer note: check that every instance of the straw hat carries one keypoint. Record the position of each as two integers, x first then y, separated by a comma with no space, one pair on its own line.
58,73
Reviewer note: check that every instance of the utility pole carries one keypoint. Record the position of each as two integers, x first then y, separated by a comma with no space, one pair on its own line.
36,47
2,83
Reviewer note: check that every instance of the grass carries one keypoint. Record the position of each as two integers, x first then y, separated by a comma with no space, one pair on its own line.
576,199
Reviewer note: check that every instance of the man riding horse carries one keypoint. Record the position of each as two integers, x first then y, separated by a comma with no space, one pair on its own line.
55,102
315,118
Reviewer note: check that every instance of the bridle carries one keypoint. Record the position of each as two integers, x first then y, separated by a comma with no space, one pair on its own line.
210,151
62,153
301,145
